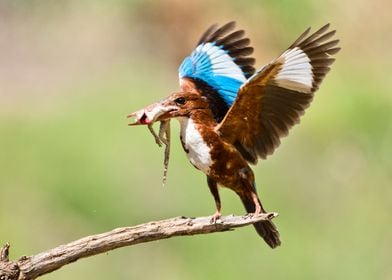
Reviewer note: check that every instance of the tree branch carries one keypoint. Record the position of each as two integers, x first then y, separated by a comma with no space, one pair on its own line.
27,268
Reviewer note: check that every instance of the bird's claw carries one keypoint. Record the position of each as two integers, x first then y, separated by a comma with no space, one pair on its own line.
251,215
216,218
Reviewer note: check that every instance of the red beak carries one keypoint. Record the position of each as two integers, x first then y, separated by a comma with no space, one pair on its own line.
149,114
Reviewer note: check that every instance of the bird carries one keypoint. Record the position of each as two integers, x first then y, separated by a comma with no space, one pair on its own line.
231,115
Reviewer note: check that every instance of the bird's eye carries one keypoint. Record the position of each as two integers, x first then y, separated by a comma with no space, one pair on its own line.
180,100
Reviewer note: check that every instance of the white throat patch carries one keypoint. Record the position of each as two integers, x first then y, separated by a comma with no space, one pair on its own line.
198,151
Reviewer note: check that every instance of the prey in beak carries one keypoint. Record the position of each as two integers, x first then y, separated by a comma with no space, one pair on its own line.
149,115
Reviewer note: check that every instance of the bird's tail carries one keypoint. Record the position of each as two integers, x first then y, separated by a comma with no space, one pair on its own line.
266,229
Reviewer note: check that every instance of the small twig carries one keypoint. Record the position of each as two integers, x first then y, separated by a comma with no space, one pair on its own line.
4,253
27,268
8,270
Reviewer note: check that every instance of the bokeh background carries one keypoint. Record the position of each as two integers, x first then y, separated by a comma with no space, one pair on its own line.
70,71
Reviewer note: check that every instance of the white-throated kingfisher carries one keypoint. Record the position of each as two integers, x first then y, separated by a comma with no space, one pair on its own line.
231,115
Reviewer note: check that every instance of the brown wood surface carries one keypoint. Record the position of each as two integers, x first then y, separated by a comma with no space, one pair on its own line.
31,267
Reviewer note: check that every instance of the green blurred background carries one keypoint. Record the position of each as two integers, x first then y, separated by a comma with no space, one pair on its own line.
70,71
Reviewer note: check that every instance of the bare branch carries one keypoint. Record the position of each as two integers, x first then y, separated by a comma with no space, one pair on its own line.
27,268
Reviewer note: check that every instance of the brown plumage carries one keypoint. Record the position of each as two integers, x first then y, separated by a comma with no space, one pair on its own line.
266,108
228,167
222,141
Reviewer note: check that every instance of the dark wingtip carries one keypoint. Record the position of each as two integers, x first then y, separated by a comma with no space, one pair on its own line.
233,41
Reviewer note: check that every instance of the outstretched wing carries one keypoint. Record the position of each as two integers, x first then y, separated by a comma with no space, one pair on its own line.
275,97
220,62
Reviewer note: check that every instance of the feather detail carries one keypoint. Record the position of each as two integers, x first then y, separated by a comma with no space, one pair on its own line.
221,60
277,95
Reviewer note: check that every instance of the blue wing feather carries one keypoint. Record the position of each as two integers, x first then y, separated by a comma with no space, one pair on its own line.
201,65
213,63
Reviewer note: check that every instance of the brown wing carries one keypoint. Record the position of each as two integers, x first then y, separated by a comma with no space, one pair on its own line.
273,99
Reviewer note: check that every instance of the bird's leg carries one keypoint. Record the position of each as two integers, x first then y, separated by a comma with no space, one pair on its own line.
164,136
214,191
257,206
256,201
248,182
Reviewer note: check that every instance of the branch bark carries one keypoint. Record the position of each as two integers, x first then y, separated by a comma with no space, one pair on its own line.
27,268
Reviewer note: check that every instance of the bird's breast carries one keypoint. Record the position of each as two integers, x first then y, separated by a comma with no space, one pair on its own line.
198,152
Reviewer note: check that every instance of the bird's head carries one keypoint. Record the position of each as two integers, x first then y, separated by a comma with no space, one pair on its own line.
180,104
